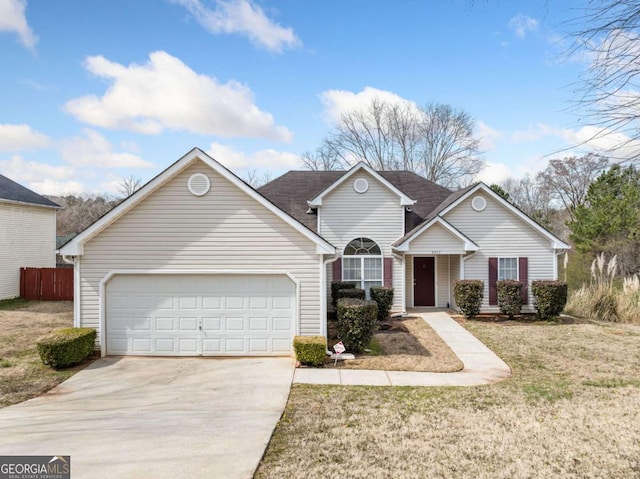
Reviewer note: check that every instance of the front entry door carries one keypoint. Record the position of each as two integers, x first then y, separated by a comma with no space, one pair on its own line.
424,282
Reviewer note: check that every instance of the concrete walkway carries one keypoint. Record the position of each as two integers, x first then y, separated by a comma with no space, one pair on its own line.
481,365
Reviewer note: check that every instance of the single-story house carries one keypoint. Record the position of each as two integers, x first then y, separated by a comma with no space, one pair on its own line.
197,262
27,234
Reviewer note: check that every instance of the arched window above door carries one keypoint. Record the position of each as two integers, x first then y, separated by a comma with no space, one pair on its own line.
362,264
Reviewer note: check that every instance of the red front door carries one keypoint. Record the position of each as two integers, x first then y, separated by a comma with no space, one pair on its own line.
424,293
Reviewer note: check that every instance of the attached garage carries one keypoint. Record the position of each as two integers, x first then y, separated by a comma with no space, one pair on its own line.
200,314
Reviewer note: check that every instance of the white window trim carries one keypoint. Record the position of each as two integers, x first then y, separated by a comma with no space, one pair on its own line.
362,257
517,258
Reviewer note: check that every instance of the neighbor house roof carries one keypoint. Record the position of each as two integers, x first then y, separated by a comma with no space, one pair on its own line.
294,189
13,192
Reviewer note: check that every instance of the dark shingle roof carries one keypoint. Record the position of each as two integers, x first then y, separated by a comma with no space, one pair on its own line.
12,191
291,191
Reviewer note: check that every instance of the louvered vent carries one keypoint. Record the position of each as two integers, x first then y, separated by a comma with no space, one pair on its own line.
199,184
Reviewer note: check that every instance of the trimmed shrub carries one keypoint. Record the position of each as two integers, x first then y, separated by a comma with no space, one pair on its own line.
509,298
468,294
66,347
337,286
384,298
550,297
357,321
352,293
310,350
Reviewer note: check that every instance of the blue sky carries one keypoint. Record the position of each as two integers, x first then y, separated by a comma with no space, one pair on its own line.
95,91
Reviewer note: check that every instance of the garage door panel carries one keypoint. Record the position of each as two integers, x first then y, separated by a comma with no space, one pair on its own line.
211,324
258,324
197,314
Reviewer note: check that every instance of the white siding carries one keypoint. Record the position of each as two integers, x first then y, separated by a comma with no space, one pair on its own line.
376,214
436,238
222,230
455,275
27,239
442,281
501,233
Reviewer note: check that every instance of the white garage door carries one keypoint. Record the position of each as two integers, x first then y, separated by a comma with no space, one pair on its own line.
191,315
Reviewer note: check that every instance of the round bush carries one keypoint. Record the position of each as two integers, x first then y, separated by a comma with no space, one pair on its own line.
468,294
357,321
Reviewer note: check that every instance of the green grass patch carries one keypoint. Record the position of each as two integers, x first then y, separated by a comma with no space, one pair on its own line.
612,383
13,303
374,348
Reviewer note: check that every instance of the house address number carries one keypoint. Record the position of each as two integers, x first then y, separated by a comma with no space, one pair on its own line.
436,252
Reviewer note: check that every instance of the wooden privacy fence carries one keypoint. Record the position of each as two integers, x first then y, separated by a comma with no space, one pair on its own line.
46,284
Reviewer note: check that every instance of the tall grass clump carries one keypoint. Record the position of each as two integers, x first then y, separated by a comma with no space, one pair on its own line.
602,299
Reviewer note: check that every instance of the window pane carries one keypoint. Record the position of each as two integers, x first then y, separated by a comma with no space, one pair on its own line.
368,285
508,269
362,246
351,269
373,269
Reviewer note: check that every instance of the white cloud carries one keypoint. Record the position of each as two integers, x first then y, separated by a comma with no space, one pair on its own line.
42,178
494,173
264,159
164,94
21,137
94,150
242,17
487,136
603,140
535,132
13,20
338,102
521,24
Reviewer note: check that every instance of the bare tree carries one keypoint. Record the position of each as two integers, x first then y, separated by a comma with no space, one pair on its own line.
449,148
568,180
256,178
78,212
609,34
436,141
322,159
129,185
531,198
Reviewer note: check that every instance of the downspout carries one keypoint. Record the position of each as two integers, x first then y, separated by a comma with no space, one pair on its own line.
74,260
401,258
323,294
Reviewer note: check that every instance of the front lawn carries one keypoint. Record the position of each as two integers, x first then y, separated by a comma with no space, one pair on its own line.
570,409
22,374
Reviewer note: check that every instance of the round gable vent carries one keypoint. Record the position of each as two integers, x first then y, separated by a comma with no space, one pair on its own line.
361,185
198,184
478,203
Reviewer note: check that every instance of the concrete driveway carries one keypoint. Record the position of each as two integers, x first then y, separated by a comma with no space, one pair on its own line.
155,417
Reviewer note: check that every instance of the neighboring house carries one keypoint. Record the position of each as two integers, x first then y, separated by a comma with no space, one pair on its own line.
199,263
27,234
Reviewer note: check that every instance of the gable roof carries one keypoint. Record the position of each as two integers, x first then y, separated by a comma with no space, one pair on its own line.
76,245
403,243
12,192
459,196
292,191
317,200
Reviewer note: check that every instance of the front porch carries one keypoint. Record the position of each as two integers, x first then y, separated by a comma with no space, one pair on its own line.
429,280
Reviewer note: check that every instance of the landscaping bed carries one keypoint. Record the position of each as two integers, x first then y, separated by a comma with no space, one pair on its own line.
409,344
22,374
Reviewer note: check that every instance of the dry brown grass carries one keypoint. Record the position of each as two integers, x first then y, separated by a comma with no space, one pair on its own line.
410,345
22,375
569,410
